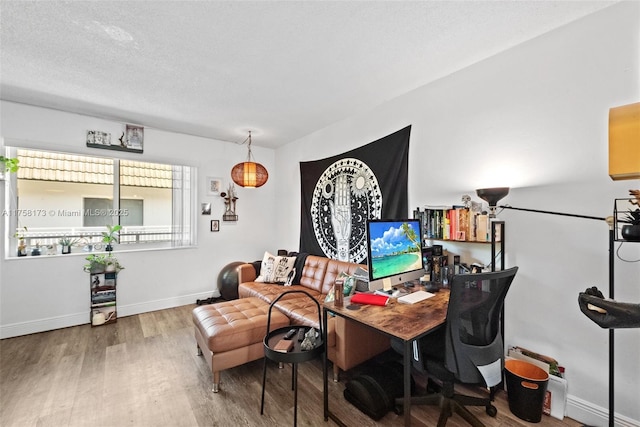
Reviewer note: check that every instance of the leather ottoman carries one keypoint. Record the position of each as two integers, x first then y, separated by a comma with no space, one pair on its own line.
231,333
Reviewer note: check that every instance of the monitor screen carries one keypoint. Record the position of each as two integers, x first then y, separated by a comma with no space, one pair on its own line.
394,252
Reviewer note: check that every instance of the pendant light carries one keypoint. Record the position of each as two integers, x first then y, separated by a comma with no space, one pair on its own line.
249,174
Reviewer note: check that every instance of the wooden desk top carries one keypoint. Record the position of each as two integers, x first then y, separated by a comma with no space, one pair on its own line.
404,321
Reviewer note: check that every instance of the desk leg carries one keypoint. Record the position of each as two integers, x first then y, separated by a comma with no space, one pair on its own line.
407,383
324,365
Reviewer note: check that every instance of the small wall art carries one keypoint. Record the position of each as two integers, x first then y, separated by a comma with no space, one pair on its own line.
131,140
215,225
214,185
135,138
96,137
206,208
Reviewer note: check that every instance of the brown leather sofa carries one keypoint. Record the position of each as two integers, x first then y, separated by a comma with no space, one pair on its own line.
348,343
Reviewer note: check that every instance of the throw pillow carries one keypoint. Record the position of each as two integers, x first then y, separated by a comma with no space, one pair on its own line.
348,287
276,269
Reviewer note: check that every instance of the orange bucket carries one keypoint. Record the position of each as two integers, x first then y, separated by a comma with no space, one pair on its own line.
526,387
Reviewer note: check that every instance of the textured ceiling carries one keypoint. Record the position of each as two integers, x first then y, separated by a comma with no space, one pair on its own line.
282,69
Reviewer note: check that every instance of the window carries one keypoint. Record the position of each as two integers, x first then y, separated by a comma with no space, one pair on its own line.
55,195
134,209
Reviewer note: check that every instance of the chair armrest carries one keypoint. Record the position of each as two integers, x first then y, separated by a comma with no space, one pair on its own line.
246,273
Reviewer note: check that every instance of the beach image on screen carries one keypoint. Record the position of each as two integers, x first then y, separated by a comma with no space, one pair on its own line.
395,248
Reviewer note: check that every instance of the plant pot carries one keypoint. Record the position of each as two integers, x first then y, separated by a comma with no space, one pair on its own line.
631,232
97,269
35,251
66,249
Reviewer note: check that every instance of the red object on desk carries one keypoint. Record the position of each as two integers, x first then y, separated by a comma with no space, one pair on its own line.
371,299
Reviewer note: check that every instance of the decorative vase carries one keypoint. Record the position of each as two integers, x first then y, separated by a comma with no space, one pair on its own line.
631,232
22,248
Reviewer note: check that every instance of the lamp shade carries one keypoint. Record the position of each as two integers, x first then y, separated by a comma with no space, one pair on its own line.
492,195
249,174
624,142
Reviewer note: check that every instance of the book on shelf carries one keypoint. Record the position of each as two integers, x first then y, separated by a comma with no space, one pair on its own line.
104,304
482,228
463,224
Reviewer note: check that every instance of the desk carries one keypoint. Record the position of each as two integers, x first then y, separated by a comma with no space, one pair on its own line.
407,322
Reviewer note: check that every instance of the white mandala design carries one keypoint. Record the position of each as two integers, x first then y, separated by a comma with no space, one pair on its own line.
364,202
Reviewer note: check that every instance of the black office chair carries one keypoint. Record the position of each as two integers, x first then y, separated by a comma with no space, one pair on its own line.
468,349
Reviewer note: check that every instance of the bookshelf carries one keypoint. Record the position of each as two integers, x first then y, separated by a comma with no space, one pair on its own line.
466,232
103,298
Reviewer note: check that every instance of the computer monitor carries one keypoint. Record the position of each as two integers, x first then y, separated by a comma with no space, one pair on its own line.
394,249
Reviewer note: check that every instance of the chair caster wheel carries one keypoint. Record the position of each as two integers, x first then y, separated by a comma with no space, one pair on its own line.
491,411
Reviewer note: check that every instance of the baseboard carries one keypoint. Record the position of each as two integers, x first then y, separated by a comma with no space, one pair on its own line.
43,325
147,306
593,415
75,319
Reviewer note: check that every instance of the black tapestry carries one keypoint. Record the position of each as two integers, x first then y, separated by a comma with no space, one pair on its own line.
340,193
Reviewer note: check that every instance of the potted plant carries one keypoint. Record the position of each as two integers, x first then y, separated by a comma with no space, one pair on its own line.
110,236
96,263
36,251
100,263
112,265
9,164
631,229
22,245
66,243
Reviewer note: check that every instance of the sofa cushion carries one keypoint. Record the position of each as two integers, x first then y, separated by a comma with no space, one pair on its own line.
268,292
276,269
333,270
313,273
302,310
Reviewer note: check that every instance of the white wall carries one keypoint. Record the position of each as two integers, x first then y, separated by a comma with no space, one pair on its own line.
42,293
533,118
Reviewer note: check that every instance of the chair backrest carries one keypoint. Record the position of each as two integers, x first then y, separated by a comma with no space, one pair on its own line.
474,349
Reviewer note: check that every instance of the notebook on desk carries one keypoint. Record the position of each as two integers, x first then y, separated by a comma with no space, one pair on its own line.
415,297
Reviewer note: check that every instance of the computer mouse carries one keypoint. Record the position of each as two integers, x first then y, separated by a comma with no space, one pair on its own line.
396,293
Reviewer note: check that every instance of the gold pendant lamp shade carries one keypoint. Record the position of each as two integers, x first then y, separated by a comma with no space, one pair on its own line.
624,142
249,174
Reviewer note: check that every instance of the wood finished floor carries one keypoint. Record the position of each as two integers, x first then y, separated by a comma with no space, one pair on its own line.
144,371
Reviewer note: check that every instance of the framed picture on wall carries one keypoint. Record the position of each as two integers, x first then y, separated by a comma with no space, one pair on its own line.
135,137
214,186
215,225
132,139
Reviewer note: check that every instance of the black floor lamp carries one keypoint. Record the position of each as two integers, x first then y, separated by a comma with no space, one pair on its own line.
606,313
